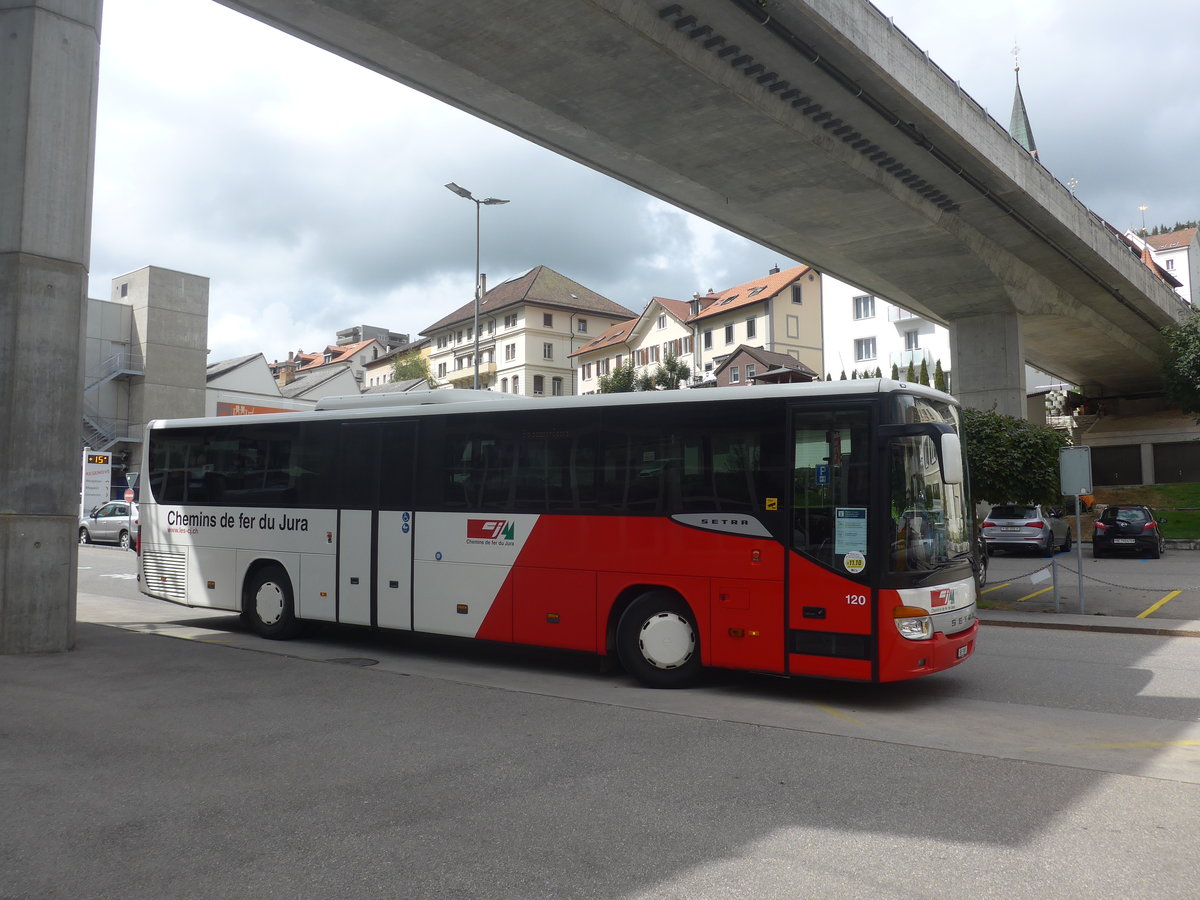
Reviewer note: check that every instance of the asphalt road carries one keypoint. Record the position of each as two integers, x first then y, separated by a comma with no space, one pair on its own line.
1053,764
1165,588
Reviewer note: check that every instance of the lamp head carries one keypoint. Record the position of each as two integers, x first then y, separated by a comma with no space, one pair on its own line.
461,191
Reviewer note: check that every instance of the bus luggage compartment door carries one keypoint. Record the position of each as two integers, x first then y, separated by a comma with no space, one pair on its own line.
355,541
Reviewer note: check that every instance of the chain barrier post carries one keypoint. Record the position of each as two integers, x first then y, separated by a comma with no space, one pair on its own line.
1054,577
1079,547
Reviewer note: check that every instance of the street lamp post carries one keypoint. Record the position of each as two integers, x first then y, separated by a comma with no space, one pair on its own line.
490,201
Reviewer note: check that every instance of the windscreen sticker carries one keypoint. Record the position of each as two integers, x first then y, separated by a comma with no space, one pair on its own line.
854,562
850,530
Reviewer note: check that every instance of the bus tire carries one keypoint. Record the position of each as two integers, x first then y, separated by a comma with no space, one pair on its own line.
269,605
658,642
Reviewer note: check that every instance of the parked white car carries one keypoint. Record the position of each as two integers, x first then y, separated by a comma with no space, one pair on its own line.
114,522
1026,528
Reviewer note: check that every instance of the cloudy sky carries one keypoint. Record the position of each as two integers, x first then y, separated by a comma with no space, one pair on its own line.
311,191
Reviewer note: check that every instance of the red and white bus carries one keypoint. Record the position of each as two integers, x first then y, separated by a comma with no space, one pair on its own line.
817,529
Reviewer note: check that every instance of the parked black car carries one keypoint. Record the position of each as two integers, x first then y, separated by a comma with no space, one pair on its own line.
1124,528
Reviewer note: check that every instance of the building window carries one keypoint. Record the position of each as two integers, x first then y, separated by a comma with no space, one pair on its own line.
864,307
581,325
547,351
556,387
864,348
1168,264
689,344
491,326
729,334
734,375
547,320
797,294
751,371
539,384
510,321
504,385
751,328
708,340
662,321
125,289
441,370
911,340
510,352
516,384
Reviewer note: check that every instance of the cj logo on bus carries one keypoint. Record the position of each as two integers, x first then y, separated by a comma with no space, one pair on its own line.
941,597
490,531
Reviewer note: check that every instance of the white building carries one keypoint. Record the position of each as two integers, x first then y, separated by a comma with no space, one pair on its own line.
529,327
864,333
1178,252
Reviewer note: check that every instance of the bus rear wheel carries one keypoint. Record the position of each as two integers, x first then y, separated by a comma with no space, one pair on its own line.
657,641
269,605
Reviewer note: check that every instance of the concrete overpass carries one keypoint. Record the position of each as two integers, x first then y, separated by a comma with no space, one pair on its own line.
814,127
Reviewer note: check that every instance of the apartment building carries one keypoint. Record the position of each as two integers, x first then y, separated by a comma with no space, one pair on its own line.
529,327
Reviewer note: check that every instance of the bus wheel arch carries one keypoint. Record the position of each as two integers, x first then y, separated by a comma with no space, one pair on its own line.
269,602
657,637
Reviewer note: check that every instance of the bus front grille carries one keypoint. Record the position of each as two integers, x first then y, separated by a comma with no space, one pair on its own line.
166,574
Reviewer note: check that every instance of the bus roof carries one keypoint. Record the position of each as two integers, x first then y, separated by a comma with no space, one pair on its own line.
420,403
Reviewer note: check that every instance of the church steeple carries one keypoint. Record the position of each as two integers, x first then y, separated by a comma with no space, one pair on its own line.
1018,127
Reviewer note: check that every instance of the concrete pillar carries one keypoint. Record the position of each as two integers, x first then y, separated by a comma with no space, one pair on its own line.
1149,476
988,359
49,59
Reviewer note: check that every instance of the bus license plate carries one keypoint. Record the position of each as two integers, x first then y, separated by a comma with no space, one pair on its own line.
963,650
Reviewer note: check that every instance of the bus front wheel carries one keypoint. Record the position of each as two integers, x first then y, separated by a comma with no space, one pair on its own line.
269,604
657,641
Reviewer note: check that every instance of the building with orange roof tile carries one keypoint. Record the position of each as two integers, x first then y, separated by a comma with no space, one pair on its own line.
1178,253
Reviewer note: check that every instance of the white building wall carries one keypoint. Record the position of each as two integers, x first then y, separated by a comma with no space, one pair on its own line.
887,327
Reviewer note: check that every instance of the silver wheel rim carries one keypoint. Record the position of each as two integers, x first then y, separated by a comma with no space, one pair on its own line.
268,603
667,640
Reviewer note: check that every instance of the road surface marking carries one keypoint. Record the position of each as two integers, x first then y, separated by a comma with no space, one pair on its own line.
1034,594
837,713
1160,604
1133,745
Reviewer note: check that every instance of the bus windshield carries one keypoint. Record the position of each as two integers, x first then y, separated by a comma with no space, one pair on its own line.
929,516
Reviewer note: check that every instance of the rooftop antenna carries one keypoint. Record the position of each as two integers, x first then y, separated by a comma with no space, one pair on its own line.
1143,208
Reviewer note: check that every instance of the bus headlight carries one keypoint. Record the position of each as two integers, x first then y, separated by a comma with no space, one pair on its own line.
913,622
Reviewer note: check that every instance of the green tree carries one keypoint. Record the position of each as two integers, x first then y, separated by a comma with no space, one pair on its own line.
895,372
407,366
939,377
1011,460
621,381
672,373
1181,364
924,376
878,372
911,375
644,381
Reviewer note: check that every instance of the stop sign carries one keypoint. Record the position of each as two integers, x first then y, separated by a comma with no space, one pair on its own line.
128,495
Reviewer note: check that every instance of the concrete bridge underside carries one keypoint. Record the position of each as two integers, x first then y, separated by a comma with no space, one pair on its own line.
815,128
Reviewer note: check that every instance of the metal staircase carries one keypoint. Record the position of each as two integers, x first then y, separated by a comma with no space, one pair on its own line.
100,432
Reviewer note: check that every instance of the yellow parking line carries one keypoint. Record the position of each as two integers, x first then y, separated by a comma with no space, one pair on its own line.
1133,745
1160,604
995,587
1034,594
837,713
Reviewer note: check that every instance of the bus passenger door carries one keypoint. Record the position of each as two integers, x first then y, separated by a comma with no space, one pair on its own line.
374,568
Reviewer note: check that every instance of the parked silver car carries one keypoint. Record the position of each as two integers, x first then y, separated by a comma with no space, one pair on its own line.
114,522
1026,528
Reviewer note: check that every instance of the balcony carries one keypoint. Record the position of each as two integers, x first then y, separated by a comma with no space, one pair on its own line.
896,314
465,377
901,359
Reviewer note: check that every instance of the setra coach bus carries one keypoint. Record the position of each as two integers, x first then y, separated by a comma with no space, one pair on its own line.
815,529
